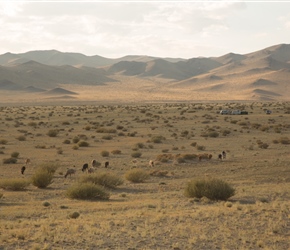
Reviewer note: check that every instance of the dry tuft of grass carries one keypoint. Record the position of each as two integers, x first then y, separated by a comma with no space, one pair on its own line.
14,184
87,191
137,175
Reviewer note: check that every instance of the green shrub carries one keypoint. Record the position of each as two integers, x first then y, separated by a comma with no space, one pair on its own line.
104,179
52,133
213,189
137,175
136,154
87,191
11,160
14,184
83,144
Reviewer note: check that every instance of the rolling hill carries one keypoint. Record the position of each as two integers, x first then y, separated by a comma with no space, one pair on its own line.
260,75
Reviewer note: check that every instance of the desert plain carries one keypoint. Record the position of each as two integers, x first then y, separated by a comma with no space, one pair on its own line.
154,214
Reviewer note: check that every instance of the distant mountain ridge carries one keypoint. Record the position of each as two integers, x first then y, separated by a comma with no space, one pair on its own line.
261,75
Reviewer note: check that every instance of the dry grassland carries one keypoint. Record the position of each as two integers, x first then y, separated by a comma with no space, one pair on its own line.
154,214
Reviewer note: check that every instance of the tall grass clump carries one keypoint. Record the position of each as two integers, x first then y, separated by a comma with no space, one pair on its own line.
43,176
137,175
14,184
213,189
87,191
108,180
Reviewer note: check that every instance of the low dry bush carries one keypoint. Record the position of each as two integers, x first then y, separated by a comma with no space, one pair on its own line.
14,184
157,139
21,138
213,189
87,191
116,152
137,175
10,160
213,134
105,153
284,140
136,154
49,167
42,178
106,130
187,157
108,180
3,141
107,137
52,133
165,157
83,144
15,154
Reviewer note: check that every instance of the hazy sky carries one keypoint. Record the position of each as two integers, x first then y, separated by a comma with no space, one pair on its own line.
165,29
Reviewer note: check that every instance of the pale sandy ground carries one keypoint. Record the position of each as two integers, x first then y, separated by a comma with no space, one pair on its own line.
154,214
138,90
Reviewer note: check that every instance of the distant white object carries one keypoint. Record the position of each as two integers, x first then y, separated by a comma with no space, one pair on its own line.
224,112
268,112
236,112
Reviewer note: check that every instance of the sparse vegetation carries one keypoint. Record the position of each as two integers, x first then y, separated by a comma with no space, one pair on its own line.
137,175
213,189
256,165
87,191
52,133
14,184
108,180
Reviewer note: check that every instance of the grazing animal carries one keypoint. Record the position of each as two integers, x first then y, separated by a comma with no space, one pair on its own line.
151,163
107,164
69,172
85,167
27,161
23,169
94,163
224,154
209,156
220,156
